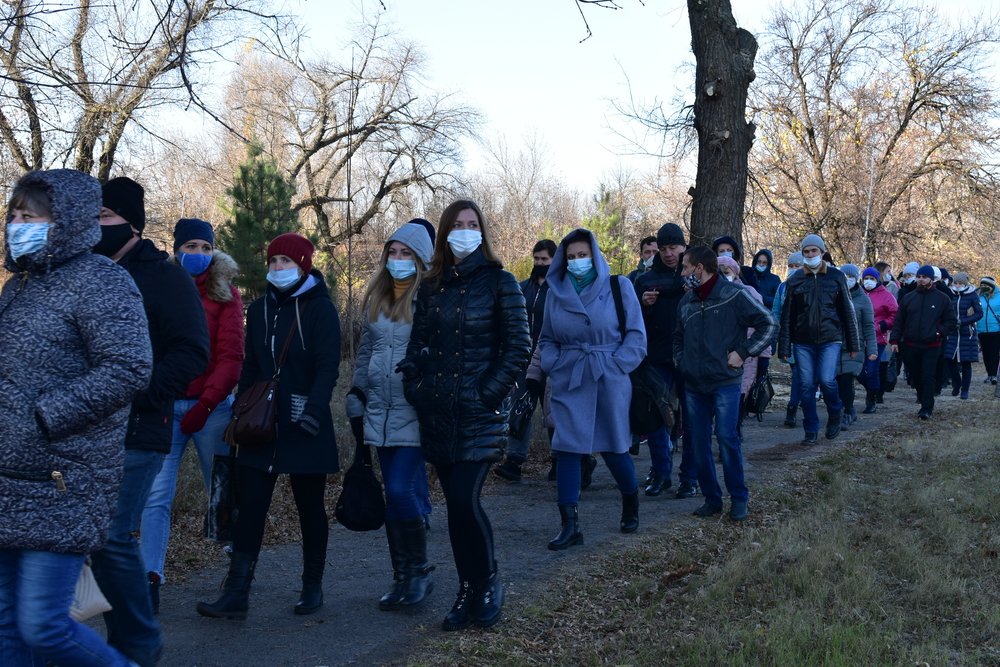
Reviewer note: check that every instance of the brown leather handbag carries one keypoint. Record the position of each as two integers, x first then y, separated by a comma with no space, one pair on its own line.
255,411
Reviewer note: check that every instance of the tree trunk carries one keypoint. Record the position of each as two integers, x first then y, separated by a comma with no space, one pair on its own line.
725,55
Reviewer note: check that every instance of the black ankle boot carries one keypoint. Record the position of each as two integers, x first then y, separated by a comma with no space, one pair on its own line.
311,598
869,403
790,417
417,581
570,534
487,602
630,512
460,616
392,599
235,600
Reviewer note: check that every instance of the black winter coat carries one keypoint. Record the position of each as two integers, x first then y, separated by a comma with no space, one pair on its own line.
534,301
660,318
925,319
470,342
307,378
817,310
179,335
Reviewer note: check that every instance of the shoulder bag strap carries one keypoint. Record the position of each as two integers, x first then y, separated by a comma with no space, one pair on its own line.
616,293
288,342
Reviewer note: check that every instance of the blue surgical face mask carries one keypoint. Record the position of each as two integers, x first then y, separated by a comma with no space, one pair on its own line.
401,269
195,263
580,267
25,238
726,253
283,278
760,268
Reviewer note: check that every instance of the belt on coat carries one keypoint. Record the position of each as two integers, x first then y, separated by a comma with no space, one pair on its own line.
588,350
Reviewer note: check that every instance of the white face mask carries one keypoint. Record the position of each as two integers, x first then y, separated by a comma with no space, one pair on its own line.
580,267
25,238
463,242
910,280
648,262
283,278
813,262
401,269
869,284
730,277
851,282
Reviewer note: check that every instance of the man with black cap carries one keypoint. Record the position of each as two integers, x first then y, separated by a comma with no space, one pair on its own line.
924,320
179,337
660,290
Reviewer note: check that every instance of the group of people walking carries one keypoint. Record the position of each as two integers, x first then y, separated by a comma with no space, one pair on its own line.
114,356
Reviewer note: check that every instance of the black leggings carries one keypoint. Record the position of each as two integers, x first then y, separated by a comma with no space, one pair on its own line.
468,526
961,375
845,387
254,490
990,342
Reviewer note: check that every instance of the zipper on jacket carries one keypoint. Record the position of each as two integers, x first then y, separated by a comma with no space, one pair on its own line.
57,477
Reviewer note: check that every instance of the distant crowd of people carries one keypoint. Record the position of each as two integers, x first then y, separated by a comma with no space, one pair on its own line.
115,355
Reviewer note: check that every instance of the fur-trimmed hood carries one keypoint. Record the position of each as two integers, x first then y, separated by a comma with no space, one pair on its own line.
220,276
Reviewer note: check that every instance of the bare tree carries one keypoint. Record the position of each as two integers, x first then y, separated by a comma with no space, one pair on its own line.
879,125
76,78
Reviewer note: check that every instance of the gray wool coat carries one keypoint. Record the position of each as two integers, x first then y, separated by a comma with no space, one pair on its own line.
864,312
74,348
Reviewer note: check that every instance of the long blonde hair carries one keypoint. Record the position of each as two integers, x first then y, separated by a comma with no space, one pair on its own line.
380,294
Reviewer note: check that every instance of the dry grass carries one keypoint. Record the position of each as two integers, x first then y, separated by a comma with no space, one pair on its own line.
883,554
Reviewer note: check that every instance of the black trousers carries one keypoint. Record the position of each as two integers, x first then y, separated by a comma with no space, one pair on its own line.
845,387
255,488
923,365
990,343
469,528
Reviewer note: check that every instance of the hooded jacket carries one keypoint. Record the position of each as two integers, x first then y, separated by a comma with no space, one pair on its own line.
661,317
585,357
74,349
963,344
864,313
179,335
224,317
307,378
469,343
990,322
767,282
884,309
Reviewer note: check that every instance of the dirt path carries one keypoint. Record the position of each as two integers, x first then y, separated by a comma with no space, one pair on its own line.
351,630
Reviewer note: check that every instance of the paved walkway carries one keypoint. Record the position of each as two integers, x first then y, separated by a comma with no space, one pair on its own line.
351,630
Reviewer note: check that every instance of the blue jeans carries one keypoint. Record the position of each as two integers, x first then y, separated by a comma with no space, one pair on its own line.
156,516
661,450
722,406
818,366
795,391
119,569
405,477
36,590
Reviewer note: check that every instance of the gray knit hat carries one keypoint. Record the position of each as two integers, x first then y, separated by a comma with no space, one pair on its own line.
960,277
850,270
795,258
416,238
812,239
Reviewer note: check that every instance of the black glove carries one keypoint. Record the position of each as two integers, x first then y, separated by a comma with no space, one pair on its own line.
358,430
356,391
535,387
409,369
309,424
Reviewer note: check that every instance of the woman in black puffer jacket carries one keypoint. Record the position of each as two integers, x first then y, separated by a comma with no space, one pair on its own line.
470,341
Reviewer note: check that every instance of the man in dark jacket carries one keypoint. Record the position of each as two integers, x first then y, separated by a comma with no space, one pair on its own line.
660,290
710,346
647,249
534,290
817,317
923,322
179,337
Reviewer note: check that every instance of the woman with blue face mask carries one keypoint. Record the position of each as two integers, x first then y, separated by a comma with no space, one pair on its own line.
297,315
382,417
202,413
74,350
588,361
469,343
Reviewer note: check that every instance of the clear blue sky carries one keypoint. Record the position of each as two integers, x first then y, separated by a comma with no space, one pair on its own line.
522,64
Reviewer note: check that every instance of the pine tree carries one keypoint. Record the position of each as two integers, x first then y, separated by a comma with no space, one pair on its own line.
261,209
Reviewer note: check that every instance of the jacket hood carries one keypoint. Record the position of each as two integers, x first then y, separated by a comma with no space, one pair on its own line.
766,253
76,208
737,252
557,278
221,274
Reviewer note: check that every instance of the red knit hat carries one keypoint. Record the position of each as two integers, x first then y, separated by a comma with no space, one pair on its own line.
298,248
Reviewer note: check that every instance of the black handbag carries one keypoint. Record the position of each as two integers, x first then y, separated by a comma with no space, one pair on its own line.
361,505
220,519
759,397
521,410
891,374
652,405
